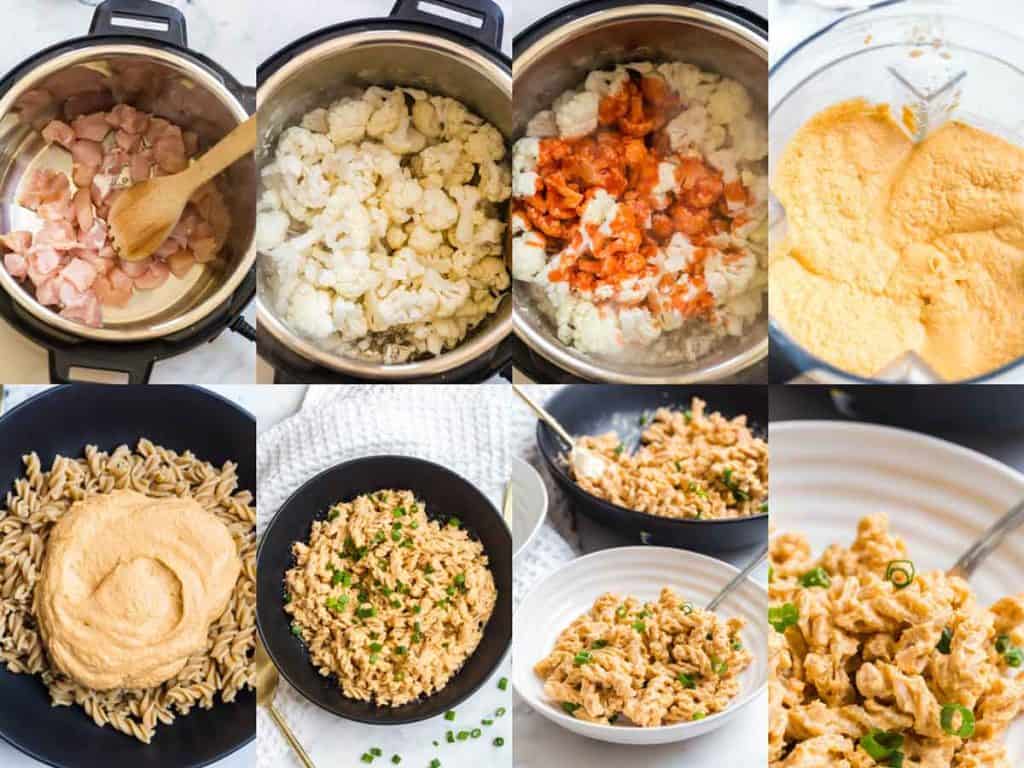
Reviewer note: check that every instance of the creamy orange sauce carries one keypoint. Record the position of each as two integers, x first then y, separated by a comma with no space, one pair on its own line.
623,158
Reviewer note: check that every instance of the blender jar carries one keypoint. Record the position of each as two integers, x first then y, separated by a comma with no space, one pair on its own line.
924,61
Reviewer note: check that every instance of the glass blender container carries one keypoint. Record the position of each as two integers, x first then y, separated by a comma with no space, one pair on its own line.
915,56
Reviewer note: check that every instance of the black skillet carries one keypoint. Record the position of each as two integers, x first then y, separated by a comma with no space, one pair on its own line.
590,409
445,494
63,420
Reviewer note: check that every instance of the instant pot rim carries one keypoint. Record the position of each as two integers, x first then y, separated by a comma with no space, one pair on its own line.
485,337
225,296
561,355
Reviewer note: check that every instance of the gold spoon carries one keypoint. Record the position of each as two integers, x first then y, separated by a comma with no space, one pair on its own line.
267,679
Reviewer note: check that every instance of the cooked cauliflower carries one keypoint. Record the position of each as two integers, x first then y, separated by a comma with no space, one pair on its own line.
542,124
577,115
729,102
363,207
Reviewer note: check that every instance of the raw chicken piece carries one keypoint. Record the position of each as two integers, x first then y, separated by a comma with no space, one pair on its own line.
92,126
42,186
16,264
18,241
180,262
128,119
46,291
115,288
42,263
154,277
57,132
96,237
83,175
169,151
88,153
87,310
58,235
58,210
140,164
79,273
83,210
134,268
129,142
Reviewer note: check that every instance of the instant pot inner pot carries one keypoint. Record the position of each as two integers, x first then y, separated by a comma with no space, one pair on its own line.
96,78
347,65
565,63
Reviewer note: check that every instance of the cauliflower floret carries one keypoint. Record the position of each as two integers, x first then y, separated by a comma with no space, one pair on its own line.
440,259
404,140
438,159
635,289
594,331
353,169
316,121
692,84
304,144
466,198
729,276
495,181
741,311
638,327
457,122
404,266
750,139
401,306
691,129
271,229
302,185
349,319
401,197
603,81
729,102
489,272
525,154
346,120
679,253
529,257
542,125
384,162
388,117
450,294
577,115
396,237
425,240
309,312
600,211
352,274
345,222
485,143
437,210
666,183
725,160
425,119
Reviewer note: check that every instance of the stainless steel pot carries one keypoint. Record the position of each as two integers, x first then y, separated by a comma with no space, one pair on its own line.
557,53
154,72
409,48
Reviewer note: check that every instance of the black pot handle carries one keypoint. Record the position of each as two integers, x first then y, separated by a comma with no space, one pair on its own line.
242,327
491,19
127,17
69,365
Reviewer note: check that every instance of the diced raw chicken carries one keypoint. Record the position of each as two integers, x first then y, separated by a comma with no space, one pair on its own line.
58,132
79,273
58,210
115,288
18,241
154,277
93,126
155,129
191,139
128,119
88,153
129,142
16,264
46,291
42,262
59,235
169,151
180,262
140,164
102,186
167,248
135,268
42,186
87,310
114,160
83,210
83,175
95,258
96,236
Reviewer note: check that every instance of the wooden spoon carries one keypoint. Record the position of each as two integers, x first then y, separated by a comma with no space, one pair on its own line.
143,215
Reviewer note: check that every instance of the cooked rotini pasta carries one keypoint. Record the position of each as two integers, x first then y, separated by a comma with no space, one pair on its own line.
691,464
876,664
42,497
389,601
648,664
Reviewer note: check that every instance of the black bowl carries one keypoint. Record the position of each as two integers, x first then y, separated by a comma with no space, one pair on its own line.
443,492
63,420
588,409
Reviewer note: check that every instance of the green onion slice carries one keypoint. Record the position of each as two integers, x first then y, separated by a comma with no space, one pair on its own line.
881,744
901,573
818,577
782,617
949,712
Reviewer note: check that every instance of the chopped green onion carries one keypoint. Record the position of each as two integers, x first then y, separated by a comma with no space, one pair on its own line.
569,707
460,580
621,611
499,712
1014,657
599,644
817,577
336,604
737,645
718,666
771,574
643,418
373,658
366,757
435,763
619,448
1003,644
376,647
881,744
366,611
450,737
581,658
396,759
686,680
694,488
639,626
499,742
699,716
375,751
737,493
296,629
462,735
396,535
686,608
454,522
401,650
333,514
688,415
782,617
503,684
945,641
764,507
399,512
901,573
949,711
449,715
475,733
487,721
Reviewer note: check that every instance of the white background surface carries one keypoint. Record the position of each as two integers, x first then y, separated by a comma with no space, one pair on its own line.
213,28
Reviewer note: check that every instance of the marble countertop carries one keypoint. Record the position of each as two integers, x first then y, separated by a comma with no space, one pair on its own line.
216,28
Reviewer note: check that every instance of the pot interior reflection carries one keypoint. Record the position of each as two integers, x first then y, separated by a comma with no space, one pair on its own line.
95,78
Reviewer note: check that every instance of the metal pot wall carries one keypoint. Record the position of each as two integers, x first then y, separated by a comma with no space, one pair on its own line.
557,53
152,70
410,48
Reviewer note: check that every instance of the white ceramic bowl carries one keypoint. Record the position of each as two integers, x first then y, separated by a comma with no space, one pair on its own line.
940,497
640,572
529,504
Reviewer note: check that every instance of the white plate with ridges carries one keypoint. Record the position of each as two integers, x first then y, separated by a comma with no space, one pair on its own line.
940,498
641,572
